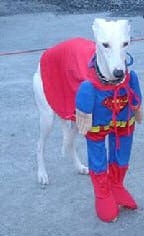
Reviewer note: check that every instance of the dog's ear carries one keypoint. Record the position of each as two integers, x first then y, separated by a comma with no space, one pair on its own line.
129,27
126,25
96,26
126,29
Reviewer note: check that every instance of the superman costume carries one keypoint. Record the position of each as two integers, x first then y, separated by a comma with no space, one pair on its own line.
70,81
108,119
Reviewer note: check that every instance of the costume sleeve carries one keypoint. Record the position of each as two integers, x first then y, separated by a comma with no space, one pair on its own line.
134,84
85,97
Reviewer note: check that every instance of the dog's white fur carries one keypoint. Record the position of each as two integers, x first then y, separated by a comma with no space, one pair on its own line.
114,35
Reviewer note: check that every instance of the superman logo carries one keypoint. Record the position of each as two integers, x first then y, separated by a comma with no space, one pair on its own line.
118,104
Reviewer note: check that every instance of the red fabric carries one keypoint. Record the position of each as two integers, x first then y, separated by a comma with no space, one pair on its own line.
121,131
101,86
121,195
122,101
63,68
105,205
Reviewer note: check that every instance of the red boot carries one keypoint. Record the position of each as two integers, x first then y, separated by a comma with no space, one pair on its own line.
105,205
122,196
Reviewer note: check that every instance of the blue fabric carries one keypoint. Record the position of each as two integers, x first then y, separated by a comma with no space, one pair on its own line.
134,84
97,155
89,99
120,156
85,97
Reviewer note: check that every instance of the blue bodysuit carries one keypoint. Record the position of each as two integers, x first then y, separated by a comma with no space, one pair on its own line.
112,110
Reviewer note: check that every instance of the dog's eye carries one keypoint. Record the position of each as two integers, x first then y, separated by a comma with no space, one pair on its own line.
106,45
125,44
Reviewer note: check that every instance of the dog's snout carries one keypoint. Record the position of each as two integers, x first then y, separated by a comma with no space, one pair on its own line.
118,73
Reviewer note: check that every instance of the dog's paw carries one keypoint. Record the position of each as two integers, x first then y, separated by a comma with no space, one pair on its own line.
83,170
43,177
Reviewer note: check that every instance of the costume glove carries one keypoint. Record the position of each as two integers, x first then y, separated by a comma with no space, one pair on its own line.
138,115
83,121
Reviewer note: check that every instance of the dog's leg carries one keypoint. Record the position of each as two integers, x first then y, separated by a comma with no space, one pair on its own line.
69,147
46,121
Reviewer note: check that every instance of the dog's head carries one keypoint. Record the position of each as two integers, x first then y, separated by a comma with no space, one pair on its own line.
112,39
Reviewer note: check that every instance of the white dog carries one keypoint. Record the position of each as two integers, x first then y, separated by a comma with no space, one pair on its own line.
89,82
112,39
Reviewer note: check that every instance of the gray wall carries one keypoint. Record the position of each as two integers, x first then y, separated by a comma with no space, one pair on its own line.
99,4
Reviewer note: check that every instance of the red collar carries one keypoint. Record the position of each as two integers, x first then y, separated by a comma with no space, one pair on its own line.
93,77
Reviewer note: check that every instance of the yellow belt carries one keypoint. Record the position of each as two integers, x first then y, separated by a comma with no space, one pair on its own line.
121,124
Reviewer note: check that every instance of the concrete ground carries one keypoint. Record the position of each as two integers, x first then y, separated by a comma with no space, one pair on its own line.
65,207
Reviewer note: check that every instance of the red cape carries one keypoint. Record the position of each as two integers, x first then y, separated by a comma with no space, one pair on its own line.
63,68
